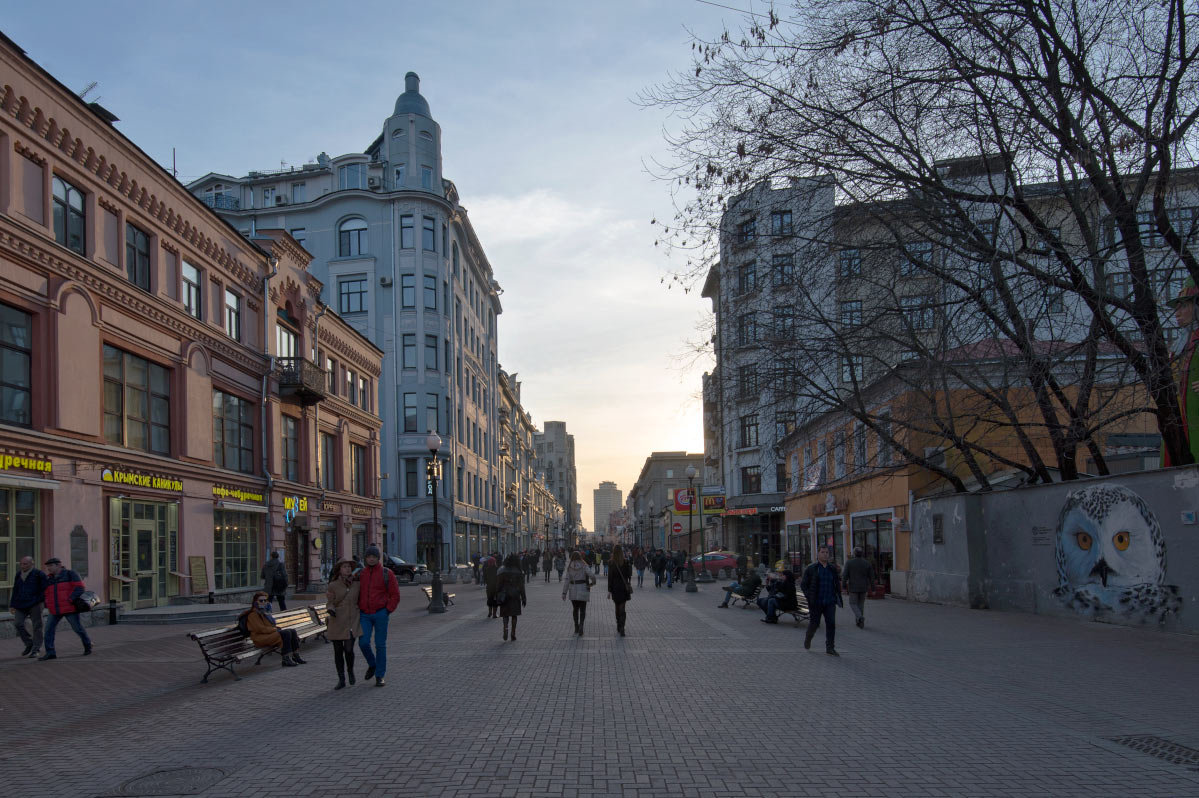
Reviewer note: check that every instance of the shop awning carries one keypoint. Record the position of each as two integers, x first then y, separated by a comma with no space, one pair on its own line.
242,507
14,481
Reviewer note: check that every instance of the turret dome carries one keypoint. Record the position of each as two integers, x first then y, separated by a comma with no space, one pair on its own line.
411,101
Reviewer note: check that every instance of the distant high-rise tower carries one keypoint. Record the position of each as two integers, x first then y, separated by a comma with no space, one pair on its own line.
555,453
607,499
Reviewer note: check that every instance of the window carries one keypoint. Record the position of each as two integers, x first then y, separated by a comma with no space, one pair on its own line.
299,192
784,424
351,176
884,441
852,368
780,476
364,393
919,256
430,353
430,292
232,315
747,231
747,277
809,469
783,270
291,448
352,238
747,330
822,469
410,483
352,387
859,448
268,197
1119,285
780,223
426,178
328,461
839,454
407,232
232,432
191,293
409,359
137,402
235,549
747,381
285,339
851,313
918,310
1147,226
749,430
410,419
352,295
358,469
784,323
69,216
137,256
16,328
408,290
849,263
431,407
1056,301
751,479
333,386
300,234
454,259
428,234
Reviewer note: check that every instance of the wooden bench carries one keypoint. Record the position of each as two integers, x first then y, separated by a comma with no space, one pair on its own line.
800,613
226,647
746,601
448,598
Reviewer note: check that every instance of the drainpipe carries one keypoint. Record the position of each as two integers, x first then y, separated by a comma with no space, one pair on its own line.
266,381
316,408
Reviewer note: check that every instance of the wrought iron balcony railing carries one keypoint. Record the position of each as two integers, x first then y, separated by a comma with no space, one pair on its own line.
301,378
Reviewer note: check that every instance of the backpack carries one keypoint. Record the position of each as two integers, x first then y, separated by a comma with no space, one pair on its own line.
242,626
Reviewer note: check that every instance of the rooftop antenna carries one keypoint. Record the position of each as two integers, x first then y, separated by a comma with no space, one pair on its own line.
88,89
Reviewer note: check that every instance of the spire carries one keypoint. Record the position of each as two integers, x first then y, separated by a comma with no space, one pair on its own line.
411,101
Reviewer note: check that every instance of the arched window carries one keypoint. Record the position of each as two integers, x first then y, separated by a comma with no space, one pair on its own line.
351,238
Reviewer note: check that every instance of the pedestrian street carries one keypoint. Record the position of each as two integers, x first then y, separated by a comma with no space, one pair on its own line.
696,700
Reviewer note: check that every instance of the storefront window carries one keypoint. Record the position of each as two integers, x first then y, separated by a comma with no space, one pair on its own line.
18,534
358,539
460,544
874,534
799,546
329,547
832,533
236,549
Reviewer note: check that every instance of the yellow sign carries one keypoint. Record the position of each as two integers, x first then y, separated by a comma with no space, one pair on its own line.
11,461
290,503
239,494
358,509
142,480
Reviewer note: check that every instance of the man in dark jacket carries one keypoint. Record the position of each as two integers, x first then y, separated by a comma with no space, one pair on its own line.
821,585
27,602
378,597
659,566
63,586
274,580
859,577
742,567
744,588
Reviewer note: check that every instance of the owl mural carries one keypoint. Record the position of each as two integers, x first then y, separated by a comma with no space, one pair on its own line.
1111,556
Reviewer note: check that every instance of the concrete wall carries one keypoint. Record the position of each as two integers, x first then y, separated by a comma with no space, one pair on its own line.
1120,550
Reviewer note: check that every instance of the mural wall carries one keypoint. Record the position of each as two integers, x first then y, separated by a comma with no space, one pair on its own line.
1121,550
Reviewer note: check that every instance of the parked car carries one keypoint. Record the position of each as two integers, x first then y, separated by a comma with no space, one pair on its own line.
405,571
715,560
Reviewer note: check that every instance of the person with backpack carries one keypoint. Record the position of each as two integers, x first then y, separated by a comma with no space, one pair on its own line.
63,589
259,625
378,597
274,580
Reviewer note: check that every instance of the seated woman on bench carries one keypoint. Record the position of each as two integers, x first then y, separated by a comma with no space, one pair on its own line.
782,598
266,634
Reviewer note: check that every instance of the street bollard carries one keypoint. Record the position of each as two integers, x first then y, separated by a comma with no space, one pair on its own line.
112,612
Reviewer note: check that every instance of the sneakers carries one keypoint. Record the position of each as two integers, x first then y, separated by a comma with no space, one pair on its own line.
861,623
33,654
379,682
369,672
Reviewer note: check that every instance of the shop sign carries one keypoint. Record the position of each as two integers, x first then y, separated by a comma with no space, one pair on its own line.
742,511
713,504
293,506
359,509
236,494
137,480
682,501
328,507
11,461
778,508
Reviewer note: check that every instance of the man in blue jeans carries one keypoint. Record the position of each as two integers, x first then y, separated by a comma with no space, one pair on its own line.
378,596
821,585
63,587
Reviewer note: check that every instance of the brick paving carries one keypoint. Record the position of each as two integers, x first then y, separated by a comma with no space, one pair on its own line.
926,701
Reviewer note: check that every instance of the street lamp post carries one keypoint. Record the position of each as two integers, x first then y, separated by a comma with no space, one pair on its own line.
691,588
433,441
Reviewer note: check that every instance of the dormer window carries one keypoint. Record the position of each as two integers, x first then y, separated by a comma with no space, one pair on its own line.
351,176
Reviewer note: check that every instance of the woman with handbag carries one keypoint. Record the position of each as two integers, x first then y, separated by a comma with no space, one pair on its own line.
341,601
578,587
510,592
489,584
620,585
265,633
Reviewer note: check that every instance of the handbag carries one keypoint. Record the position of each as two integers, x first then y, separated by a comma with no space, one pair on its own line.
500,598
87,601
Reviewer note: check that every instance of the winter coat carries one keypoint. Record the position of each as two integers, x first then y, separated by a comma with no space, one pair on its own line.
620,582
274,577
784,591
810,584
559,563
342,603
578,582
489,576
639,562
751,583
512,582
28,590
263,631
858,575
61,592
379,590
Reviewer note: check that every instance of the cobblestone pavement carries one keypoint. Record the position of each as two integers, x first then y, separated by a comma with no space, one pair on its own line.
926,701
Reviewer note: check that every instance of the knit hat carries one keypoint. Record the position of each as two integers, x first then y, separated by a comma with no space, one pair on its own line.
372,550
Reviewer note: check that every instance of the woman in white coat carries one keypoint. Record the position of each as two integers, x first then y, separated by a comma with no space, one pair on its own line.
577,588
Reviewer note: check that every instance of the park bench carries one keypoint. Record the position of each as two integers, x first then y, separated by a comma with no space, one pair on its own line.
746,601
226,647
800,613
448,598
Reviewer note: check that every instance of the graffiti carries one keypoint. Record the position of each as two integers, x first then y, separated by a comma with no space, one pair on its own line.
1111,556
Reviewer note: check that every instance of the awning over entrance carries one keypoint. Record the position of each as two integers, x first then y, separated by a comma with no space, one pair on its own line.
242,507
13,481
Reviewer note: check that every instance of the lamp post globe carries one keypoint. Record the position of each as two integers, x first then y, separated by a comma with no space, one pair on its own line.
433,443
691,588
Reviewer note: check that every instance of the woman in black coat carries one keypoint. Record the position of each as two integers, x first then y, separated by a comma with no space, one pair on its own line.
489,576
510,586
620,585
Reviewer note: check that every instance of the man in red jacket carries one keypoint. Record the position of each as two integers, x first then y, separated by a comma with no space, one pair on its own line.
378,596
63,586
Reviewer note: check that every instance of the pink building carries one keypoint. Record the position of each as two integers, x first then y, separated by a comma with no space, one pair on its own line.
165,417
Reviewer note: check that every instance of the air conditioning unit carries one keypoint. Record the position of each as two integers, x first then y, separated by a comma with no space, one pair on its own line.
385,281
372,182
280,199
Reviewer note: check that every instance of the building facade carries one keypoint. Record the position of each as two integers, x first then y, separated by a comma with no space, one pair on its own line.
606,499
403,266
555,454
659,514
536,516
143,394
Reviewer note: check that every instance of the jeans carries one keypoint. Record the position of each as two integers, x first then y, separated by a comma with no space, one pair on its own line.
728,593
670,576
770,606
640,576
34,614
73,620
857,603
559,574
829,613
374,622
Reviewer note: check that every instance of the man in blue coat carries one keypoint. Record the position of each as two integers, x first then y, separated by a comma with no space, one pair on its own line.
27,602
821,585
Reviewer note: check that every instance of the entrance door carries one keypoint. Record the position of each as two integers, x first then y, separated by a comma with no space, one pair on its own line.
298,556
145,555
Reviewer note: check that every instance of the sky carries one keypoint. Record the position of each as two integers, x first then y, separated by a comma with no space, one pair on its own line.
541,134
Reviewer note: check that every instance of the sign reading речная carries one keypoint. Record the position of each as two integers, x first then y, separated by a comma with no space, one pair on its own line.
11,461
136,480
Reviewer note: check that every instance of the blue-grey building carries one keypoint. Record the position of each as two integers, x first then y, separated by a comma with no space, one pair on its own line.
401,263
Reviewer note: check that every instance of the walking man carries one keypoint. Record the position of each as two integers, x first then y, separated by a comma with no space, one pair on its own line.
274,580
545,563
859,578
27,602
378,596
63,586
821,585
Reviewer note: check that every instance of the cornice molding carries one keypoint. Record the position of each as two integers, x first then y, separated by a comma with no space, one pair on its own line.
331,341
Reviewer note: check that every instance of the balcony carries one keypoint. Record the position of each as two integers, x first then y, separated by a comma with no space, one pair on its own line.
301,379
221,202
